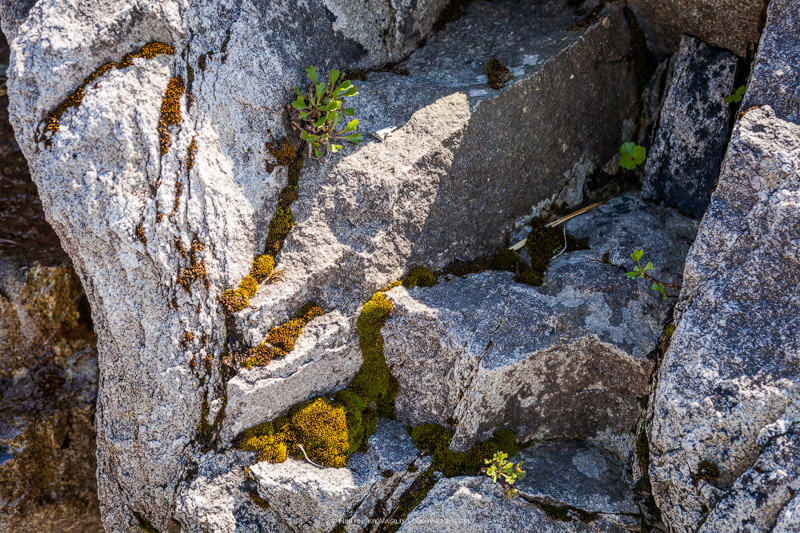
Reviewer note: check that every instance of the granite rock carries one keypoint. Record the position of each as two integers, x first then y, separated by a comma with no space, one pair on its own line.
569,359
684,160
314,499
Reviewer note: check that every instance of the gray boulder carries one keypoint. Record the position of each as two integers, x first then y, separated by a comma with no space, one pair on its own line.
684,159
730,371
731,24
316,500
569,359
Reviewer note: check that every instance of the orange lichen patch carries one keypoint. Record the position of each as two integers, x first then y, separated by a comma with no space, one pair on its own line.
282,151
233,301
149,51
281,339
191,153
140,233
258,500
170,112
180,248
263,266
196,269
187,338
178,193
159,217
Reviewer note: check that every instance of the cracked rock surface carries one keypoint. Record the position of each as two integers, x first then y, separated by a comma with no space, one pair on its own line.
569,359
726,407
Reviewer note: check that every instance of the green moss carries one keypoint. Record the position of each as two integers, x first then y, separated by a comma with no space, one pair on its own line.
435,440
643,449
333,429
497,74
374,380
287,197
565,513
506,259
707,471
279,228
529,277
262,268
666,336
282,151
420,277
542,244
249,286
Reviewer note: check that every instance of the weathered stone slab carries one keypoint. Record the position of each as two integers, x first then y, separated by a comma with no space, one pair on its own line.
684,160
476,505
731,24
568,359
314,499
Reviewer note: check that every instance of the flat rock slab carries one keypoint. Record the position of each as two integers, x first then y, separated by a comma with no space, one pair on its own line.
572,474
568,359
475,504
316,500
684,160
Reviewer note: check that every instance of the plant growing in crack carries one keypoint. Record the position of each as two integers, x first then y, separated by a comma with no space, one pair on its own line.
640,271
317,113
631,155
736,97
505,472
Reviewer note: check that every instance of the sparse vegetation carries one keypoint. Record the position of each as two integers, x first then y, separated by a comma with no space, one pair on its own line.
736,97
505,472
317,113
632,155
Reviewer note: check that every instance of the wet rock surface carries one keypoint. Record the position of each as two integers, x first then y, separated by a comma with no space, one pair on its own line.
569,359
683,162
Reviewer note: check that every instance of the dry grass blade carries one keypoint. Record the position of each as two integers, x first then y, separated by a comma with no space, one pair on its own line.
561,220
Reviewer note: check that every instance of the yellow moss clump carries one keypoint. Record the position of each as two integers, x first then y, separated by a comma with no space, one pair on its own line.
287,197
262,268
281,339
140,233
420,277
279,228
319,426
249,286
170,112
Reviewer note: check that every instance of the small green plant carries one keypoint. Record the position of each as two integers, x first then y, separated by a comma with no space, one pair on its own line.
640,271
317,113
736,97
507,473
632,155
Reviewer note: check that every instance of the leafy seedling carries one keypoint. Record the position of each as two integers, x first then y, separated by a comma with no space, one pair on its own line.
317,113
736,97
640,271
632,155
505,472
